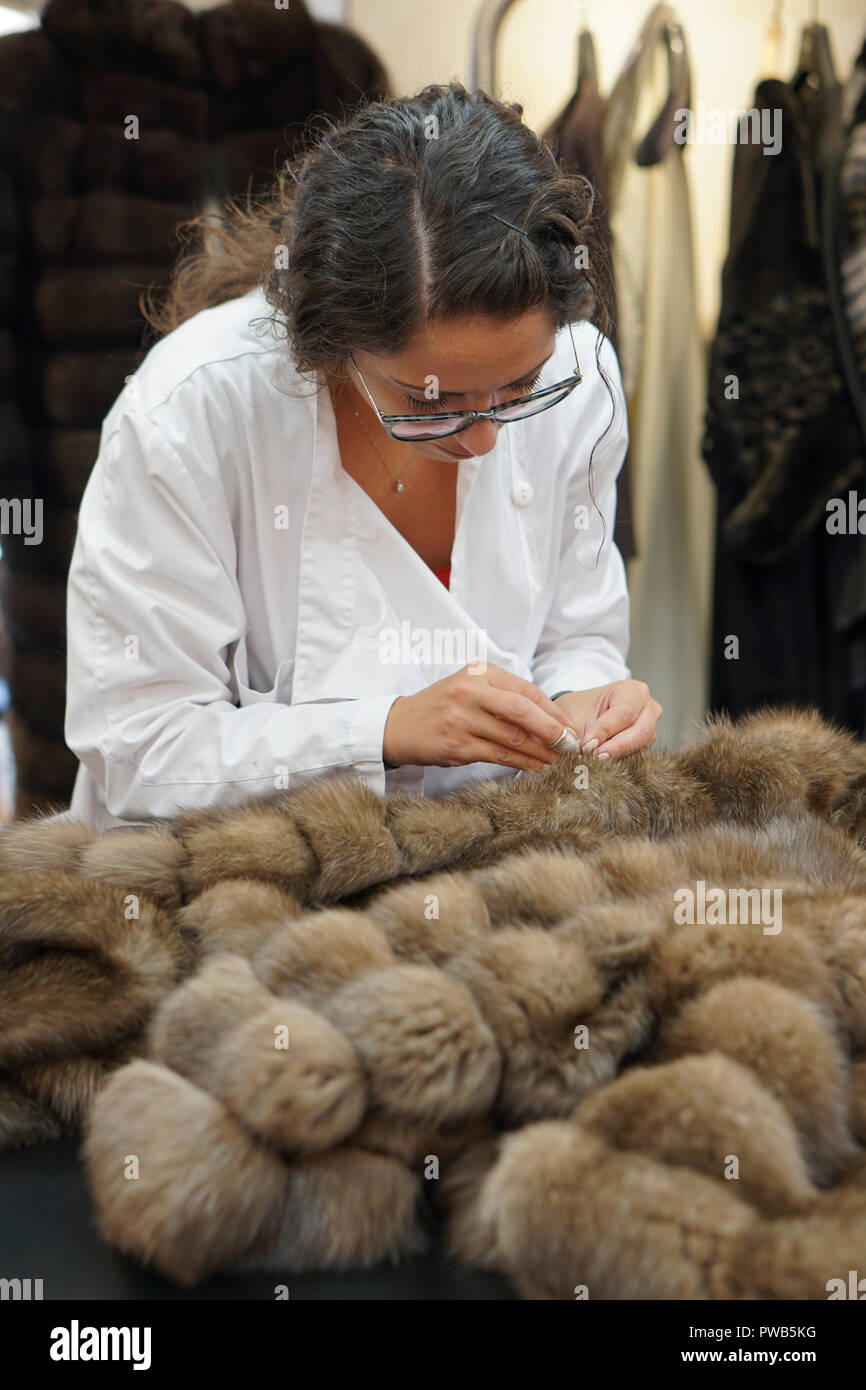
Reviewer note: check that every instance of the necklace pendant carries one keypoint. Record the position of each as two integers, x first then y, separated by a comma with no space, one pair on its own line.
399,486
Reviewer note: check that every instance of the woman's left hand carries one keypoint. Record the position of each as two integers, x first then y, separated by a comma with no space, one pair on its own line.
613,719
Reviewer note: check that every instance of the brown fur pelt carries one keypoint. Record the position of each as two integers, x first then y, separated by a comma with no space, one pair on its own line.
299,1028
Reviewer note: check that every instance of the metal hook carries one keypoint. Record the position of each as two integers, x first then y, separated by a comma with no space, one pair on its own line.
772,46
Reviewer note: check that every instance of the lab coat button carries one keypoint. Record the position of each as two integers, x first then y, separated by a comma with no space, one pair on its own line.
521,494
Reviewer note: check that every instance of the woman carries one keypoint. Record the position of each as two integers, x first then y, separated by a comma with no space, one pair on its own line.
277,575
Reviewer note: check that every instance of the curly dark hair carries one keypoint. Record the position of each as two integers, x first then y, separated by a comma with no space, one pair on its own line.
388,219
396,216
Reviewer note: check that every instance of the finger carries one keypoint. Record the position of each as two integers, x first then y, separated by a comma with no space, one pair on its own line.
505,680
497,731
486,751
603,703
514,707
640,735
625,710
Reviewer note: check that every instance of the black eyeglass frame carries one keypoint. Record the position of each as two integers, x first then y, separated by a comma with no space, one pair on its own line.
561,389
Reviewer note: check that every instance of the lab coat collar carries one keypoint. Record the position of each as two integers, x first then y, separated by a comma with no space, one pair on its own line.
344,530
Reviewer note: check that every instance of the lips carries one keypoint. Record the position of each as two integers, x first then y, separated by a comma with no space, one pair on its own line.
454,454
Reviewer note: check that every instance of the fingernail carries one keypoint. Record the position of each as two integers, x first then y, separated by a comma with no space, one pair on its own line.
604,755
588,747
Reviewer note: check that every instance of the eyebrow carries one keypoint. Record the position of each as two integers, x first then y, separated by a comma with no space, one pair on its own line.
514,380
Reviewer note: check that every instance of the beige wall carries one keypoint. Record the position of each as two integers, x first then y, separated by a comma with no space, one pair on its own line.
424,42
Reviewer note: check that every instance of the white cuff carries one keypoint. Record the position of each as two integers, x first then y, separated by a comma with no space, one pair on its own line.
366,735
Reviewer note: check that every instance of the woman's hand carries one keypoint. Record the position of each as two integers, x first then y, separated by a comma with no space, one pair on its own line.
613,719
481,714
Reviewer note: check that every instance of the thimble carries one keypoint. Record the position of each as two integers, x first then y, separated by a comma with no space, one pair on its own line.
566,743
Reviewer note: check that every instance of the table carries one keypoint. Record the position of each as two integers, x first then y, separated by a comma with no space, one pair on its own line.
48,1231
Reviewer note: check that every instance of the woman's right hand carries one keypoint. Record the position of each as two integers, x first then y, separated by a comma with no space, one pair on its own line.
481,714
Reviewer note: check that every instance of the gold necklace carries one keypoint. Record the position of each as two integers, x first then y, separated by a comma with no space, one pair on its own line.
399,485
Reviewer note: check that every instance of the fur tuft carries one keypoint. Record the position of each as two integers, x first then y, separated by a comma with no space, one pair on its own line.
176,1181
532,992
431,921
81,965
40,845
429,1055
237,915
319,953
430,834
785,1042
139,861
344,824
706,1113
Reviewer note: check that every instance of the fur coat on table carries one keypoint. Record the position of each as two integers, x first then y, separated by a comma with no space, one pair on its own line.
89,204
319,1023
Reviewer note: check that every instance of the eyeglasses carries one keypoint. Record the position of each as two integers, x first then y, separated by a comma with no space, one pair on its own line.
438,425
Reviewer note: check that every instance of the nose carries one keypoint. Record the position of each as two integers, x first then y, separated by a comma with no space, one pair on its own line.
480,437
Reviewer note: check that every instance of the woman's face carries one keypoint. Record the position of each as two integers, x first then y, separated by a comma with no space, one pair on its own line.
458,364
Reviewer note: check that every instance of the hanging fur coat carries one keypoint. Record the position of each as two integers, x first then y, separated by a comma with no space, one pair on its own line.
782,436
316,1020
117,121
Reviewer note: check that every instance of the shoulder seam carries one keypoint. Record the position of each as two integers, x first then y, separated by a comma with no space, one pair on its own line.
201,366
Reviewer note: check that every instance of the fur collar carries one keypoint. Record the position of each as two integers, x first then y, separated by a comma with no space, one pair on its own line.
239,42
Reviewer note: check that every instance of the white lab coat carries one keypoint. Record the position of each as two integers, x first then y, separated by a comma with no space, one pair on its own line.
241,616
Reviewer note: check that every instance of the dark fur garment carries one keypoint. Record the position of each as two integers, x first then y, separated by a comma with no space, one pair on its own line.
296,1027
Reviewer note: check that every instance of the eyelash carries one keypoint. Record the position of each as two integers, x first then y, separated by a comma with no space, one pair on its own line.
437,404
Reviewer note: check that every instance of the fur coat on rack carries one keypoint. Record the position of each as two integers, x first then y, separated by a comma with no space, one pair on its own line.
783,439
607,1022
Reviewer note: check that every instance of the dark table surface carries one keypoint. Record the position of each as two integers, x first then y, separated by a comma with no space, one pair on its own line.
48,1232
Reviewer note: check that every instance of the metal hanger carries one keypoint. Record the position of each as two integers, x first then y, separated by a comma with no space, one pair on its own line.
815,65
660,136
490,19
587,67
771,49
